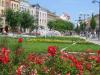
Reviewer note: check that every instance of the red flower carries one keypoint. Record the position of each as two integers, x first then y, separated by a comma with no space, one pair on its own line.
79,66
38,60
98,52
18,71
68,73
20,40
51,50
31,57
4,56
35,59
88,66
3,50
98,59
5,60
92,57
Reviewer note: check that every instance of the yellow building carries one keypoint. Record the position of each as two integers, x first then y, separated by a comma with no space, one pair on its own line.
13,4
2,7
2,18
4,4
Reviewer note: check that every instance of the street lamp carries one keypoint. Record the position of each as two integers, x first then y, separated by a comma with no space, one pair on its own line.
84,21
95,1
78,24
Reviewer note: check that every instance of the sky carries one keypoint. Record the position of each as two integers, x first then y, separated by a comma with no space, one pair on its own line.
72,7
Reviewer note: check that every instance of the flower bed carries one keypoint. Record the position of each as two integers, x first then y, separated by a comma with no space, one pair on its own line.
57,41
52,63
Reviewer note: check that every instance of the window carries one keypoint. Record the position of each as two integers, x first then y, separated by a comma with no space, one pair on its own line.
2,12
17,6
12,5
32,12
0,2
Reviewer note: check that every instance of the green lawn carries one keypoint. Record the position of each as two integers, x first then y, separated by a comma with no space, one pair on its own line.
41,47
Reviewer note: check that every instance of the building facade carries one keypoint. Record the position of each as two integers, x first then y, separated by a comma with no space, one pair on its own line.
40,16
24,6
2,7
2,18
14,5
5,4
52,16
97,22
65,17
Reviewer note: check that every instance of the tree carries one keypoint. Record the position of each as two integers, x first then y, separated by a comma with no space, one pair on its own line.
93,23
60,25
12,19
82,26
50,25
77,29
27,21
0,21
70,26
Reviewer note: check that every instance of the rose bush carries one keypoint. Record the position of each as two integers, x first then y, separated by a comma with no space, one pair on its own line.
53,62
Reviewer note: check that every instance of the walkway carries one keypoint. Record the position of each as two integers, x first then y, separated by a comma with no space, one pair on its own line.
95,40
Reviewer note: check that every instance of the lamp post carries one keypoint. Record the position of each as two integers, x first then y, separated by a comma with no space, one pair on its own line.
95,1
78,24
84,22
84,17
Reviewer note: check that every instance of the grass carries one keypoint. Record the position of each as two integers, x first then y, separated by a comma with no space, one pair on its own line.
62,38
41,47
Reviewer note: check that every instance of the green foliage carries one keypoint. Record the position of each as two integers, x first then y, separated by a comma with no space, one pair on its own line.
70,26
41,47
27,21
50,65
60,25
93,23
12,18
0,21
51,25
82,26
77,29
22,19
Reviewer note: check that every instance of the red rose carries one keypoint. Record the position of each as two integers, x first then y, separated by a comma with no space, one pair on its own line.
68,73
79,66
3,50
51,50
88,66
92,57
98,59
18,71
98,52
20,40
5,59
4,55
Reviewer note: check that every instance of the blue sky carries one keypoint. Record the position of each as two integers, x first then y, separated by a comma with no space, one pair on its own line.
71,7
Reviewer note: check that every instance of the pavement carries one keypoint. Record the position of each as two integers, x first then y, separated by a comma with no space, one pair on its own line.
92,40
95,41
